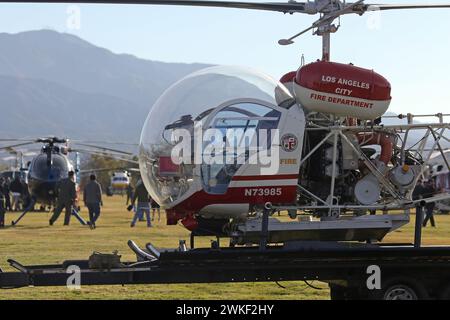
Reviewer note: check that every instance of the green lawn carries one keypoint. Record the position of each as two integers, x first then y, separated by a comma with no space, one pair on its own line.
34,242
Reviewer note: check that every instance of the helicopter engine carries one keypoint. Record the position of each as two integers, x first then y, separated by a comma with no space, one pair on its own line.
316,173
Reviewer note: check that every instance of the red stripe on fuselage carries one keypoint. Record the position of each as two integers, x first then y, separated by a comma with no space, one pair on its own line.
270,177
201,199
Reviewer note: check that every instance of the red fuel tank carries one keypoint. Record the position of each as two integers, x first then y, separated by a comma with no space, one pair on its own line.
342,89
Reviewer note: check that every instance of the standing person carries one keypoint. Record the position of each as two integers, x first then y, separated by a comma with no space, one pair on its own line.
156,207
130,193
66,199
418,195
428,192
143,204
6,189
2,203
26,196
16,191
92,198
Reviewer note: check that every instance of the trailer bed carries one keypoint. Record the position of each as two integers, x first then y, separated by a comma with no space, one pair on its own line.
346,266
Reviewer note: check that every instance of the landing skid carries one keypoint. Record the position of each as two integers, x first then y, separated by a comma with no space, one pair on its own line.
27,209
78,217
31,205
363,228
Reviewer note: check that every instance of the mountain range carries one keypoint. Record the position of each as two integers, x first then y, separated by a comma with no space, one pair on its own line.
55,83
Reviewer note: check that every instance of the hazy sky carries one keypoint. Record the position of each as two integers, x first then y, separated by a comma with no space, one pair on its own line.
411,48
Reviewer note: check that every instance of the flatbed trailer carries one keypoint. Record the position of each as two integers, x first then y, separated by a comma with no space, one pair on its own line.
404,271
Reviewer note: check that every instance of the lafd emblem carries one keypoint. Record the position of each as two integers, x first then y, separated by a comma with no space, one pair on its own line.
289,142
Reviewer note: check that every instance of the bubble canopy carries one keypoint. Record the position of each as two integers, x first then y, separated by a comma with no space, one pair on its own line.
240,92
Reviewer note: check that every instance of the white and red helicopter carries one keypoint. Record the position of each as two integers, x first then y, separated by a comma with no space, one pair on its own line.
328,160
336,161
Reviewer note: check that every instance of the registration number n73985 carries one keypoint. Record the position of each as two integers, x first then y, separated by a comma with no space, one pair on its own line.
253,192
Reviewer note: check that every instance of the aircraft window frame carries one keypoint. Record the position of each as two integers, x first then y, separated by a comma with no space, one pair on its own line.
211,121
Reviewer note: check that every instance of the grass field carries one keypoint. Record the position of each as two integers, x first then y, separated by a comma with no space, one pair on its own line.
33,241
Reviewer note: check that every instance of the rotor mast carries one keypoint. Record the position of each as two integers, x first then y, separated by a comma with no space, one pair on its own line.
326,44
325,31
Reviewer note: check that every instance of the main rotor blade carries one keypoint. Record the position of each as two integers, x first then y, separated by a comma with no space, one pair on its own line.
105,142
16,145
84,171
9,158
16,140
103,148
408,6
288,7
106,155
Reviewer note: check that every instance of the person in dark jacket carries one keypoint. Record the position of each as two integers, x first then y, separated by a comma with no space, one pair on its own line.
130,193
26,196
7,194
143,204
156,207
418,195
92,198
16,189
67,194
429,191
2,203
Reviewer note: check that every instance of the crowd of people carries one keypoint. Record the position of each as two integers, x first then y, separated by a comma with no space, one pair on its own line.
14,196
138,199
15,192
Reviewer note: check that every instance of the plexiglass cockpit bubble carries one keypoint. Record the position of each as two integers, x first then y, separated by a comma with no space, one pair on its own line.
224,97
